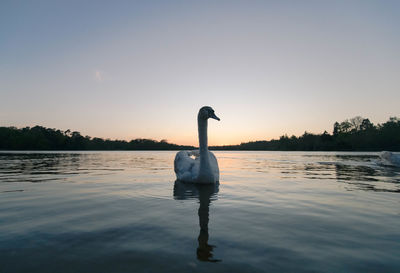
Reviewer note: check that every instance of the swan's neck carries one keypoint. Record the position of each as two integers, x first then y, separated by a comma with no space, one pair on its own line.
203,145
205,172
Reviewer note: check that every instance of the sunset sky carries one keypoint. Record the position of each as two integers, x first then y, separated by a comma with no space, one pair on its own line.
142,69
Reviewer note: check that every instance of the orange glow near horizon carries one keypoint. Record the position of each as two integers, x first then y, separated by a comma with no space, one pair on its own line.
229,131
216,137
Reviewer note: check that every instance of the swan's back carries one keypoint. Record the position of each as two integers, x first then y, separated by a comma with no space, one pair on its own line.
187,165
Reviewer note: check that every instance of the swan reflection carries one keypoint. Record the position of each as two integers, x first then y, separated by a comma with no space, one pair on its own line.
205,193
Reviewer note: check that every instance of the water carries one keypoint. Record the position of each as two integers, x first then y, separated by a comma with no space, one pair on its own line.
271,212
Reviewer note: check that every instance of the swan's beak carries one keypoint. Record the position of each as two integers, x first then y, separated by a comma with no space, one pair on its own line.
214,116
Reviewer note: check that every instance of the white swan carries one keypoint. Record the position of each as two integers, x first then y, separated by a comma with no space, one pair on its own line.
198,166
389,158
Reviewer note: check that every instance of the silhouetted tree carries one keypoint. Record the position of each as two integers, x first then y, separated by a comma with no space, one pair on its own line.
336,128
356,123
366,125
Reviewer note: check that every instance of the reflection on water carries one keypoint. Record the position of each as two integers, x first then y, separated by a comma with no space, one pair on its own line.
50,166
359,171
37,167
363,171
204,193
273,212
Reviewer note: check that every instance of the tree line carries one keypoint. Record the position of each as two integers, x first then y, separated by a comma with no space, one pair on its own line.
355,134
41,138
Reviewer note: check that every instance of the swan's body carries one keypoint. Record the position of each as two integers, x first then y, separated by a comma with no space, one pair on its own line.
187,166
199,166
389,158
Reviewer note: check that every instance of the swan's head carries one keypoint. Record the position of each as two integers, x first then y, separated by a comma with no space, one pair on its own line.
207,112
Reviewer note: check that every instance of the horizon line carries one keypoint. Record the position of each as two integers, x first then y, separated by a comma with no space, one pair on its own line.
195,146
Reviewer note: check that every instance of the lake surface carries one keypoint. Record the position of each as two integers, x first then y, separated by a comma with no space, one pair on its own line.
271,212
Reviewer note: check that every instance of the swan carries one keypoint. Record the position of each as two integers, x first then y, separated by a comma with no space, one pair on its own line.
199,166
389,158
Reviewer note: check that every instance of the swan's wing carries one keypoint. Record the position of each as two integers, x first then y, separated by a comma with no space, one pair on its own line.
186,167
214,165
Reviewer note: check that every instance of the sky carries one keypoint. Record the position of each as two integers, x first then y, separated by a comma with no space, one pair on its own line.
143,69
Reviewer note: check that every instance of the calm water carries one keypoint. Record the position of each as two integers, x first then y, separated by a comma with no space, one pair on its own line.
271,212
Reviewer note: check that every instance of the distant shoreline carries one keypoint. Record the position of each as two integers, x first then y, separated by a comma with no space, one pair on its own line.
356,134
171,150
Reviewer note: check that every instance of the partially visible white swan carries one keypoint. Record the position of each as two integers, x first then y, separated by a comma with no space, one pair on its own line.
389,158
198,166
